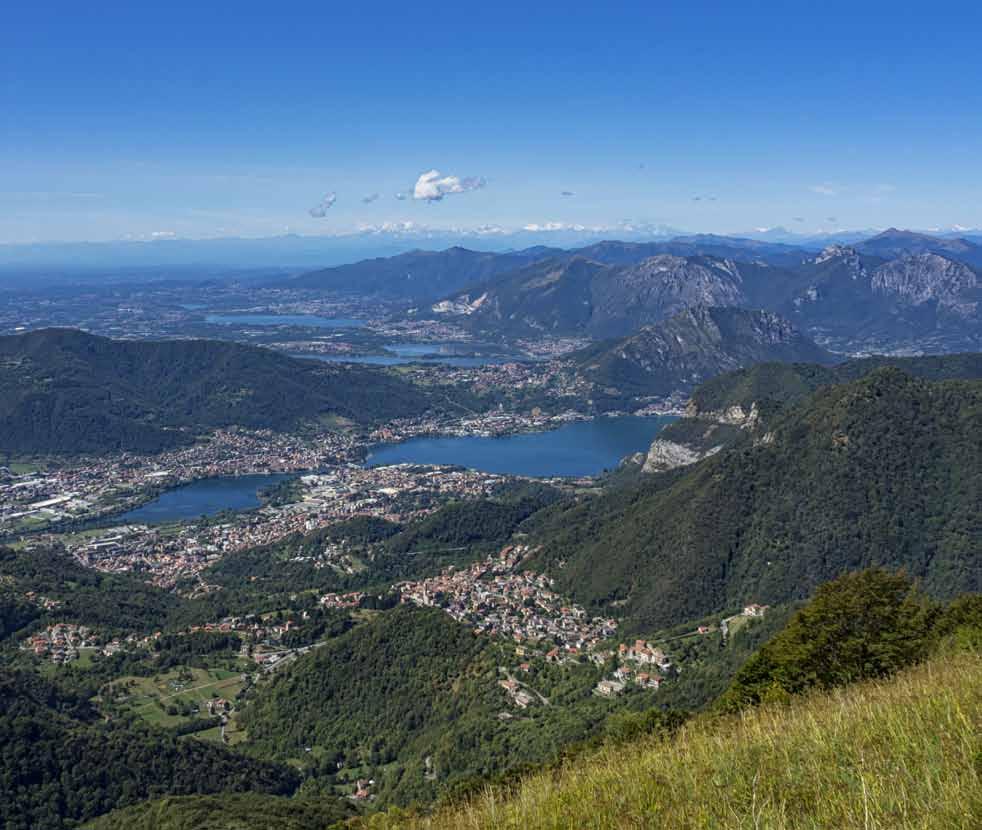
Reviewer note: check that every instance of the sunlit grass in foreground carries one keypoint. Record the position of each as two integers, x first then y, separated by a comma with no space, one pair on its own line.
900,753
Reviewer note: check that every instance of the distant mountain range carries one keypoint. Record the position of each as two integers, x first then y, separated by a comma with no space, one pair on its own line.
895,243
297,251
926,289
65,391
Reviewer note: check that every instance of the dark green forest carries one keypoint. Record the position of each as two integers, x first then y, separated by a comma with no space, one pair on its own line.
68,392
886,470
777,384
239,811
61,763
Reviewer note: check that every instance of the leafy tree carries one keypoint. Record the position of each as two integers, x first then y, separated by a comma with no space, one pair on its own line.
863,625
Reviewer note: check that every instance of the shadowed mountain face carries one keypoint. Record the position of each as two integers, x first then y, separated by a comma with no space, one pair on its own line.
66,391
692,346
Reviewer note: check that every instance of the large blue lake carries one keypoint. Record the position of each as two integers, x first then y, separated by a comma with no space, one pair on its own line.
203,498
306,320
578,449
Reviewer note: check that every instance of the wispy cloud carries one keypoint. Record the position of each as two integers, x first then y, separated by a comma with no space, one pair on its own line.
567,193
319,211
432,186
799,218
371,197
402,196
825,189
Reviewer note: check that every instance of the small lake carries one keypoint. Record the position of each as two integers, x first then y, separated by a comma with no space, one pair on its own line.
581,448
305,320
202,498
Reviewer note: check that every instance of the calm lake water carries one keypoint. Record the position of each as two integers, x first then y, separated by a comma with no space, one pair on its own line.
308,320
577,449
203,498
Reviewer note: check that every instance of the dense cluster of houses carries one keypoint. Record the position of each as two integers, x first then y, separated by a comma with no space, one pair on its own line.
495,598
61,642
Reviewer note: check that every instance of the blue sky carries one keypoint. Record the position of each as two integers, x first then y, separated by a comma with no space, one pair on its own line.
128,120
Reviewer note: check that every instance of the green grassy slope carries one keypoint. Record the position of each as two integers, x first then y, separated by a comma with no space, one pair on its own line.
901,754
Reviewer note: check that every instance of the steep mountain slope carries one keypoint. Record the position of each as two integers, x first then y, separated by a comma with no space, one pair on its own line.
899,753
70,392
771,386
553,296
850,296
721,409
238,811
692,346
428,275
414,699
884,470
419,275
62,764
581,296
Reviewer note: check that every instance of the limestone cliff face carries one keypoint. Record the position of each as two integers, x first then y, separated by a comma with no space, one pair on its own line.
924,278
736,416
667,455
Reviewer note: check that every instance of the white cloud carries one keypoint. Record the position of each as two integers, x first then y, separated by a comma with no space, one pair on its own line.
319,211
432,186
402,196
825,189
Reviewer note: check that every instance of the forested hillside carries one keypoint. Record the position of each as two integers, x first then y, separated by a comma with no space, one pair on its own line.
886,470
239,811
777,384
70,392
883,740
62,764
112,602
413,700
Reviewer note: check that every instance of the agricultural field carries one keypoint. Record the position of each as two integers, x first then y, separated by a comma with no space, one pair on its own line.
176,698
